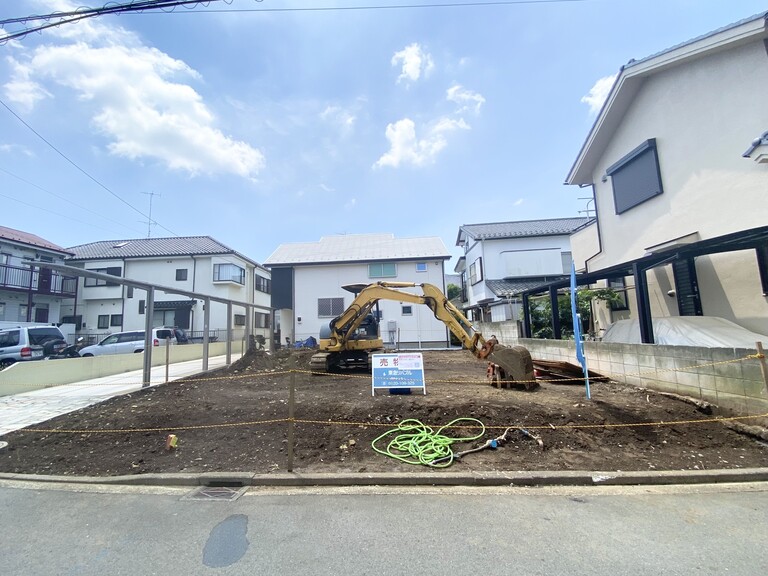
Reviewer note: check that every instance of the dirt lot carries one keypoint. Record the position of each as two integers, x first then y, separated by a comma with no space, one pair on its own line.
220,425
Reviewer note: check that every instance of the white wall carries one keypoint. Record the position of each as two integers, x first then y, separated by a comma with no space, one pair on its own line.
95,301
313,282
701,131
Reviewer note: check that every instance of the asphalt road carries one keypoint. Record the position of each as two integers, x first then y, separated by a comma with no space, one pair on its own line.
677,530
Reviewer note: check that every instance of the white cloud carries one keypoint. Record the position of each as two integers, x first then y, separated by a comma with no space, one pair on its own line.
10,148
598,93
414,62
518,202
339,116
140,100
465,99
407,148
350,204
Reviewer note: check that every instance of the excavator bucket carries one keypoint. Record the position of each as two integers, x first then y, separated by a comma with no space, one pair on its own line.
512,364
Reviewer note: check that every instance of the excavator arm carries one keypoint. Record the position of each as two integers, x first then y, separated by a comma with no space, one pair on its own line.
344,326
342,346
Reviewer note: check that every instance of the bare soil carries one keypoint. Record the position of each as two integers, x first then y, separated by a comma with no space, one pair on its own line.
235,420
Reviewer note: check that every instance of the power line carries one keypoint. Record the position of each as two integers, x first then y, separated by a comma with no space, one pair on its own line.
55,19
60,153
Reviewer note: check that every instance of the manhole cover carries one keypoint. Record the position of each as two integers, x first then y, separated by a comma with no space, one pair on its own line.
224,493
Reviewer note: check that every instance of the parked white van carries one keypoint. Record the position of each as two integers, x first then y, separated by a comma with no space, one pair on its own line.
128,342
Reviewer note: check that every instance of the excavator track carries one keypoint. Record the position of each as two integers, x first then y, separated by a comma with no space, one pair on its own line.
515,364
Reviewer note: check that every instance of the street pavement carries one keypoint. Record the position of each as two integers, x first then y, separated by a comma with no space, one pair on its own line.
30,408
562,531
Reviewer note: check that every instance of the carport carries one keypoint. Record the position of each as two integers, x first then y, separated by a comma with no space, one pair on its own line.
753,239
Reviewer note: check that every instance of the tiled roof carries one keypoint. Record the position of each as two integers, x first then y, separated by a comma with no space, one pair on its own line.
30,239
509,288
359,248
149,247
524,228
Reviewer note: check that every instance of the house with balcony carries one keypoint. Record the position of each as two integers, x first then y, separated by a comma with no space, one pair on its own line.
198,264
308,280
503,259
678,162
30,292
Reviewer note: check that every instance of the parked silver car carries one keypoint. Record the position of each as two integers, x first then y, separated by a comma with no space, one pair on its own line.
23,343
131,342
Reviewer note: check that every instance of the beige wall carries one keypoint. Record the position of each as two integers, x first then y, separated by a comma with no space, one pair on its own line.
701,131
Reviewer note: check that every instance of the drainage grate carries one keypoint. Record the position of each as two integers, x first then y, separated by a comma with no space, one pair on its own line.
216,493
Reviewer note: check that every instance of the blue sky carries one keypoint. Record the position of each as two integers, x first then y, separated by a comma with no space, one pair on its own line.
265,127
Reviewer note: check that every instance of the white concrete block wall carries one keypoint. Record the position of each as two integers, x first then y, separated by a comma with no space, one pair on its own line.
735,385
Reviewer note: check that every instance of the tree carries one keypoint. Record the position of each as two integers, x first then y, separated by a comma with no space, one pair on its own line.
541,314
453,291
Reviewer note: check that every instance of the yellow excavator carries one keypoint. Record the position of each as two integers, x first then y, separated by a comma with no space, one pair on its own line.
349,340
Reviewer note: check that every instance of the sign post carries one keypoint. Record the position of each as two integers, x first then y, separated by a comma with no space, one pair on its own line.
398,372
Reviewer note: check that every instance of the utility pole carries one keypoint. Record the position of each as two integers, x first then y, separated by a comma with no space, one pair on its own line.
150,221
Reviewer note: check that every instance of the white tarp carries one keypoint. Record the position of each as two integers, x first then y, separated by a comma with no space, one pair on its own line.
706,331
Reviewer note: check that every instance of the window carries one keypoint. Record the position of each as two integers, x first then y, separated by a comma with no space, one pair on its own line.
567,259
261,320
10,338
142,305
23,309
239,319
476,271
263,284
620,286
2,310
407,310
228,273
181,274
103,321
421,266
116,320
115,271
636,177
382,270
329,307
129,292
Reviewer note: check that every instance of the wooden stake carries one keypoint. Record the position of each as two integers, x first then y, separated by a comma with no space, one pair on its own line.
763,363
291,399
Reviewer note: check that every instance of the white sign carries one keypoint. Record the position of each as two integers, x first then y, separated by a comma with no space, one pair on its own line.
398,371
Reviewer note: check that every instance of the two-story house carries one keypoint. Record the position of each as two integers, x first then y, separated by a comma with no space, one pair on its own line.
30,292
678,161
198,264
503,259
308,280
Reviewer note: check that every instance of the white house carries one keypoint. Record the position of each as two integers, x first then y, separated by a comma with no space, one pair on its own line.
308,280
194,264
503,259
31,293
678,160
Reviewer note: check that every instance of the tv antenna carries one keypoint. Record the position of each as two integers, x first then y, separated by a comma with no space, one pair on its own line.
587,210
150,221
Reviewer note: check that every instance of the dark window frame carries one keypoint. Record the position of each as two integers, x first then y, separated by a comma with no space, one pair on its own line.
622,201
262,284
112,271
102,322
330,307
218,277
619,285
182,274
116,320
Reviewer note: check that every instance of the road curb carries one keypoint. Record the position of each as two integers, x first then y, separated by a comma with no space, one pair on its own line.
298,479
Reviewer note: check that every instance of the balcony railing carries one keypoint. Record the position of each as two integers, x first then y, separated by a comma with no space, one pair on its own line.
39,280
